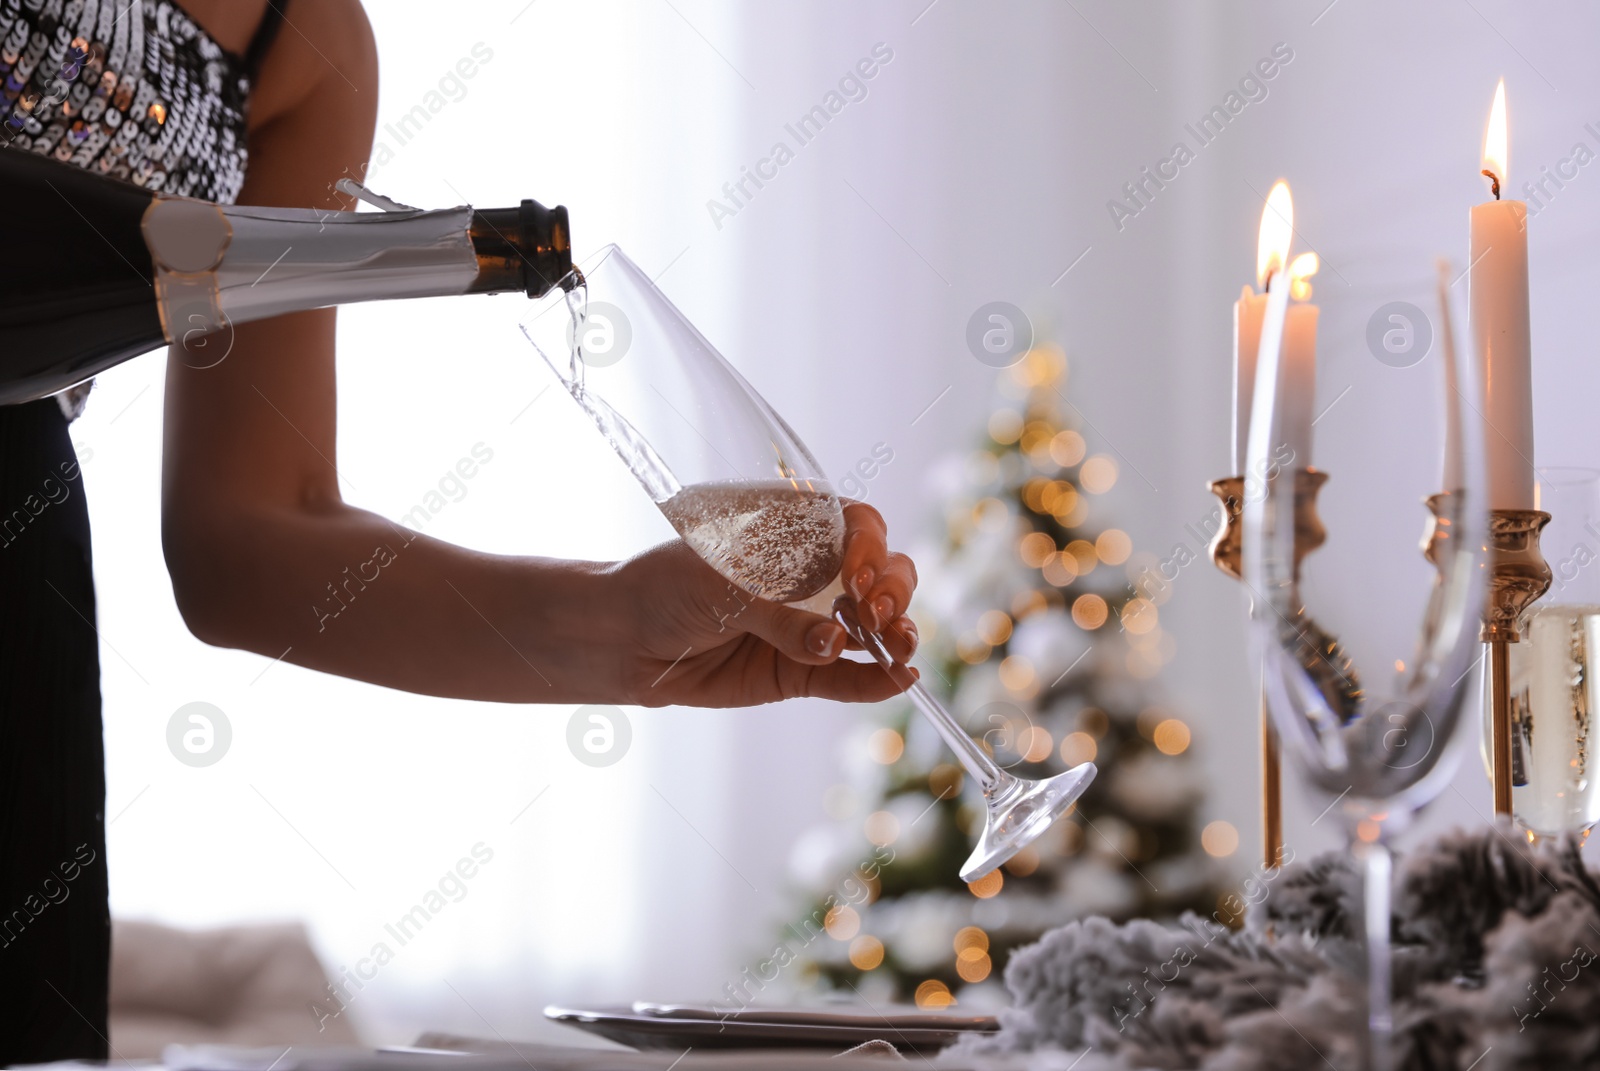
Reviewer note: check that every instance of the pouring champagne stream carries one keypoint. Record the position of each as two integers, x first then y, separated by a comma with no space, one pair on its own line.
745,493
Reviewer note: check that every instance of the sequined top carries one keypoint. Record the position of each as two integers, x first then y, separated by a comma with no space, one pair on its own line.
133,89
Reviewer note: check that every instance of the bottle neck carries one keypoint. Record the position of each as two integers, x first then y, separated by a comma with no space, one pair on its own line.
217,265
527,248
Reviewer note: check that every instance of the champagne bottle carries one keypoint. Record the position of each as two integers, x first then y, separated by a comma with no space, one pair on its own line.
99,271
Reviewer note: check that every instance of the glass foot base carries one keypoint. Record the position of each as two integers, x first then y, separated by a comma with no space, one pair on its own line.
1019,811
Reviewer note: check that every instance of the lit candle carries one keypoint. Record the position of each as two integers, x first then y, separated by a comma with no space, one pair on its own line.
1498,292
1450,477
1247,314
1300,336
1299,363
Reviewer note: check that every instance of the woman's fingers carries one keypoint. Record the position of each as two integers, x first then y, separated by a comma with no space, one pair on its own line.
901,639
866,548
890,594
808,645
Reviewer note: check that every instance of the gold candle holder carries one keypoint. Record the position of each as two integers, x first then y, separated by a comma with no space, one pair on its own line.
1518,576
1227,553
1227,546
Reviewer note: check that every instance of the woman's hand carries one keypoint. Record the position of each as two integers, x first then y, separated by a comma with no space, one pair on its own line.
702,641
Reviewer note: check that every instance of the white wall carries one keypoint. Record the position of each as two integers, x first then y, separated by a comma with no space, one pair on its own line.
977,168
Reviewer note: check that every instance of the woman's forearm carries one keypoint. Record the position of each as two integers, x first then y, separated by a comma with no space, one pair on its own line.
348,592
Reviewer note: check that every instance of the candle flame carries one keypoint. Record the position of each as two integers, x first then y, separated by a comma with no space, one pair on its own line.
1277,229
1301,269
1494,138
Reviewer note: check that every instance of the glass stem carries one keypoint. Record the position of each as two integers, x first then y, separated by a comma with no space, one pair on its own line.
1377,866
973,758
979,766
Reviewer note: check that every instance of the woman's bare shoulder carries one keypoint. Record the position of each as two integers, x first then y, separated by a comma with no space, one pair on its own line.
322,46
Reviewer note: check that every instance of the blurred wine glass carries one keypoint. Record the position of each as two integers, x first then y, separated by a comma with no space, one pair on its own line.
1379,759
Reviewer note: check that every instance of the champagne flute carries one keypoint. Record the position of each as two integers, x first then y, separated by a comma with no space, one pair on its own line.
744,492
1555,697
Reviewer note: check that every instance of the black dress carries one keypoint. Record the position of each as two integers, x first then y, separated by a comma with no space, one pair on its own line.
136,90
